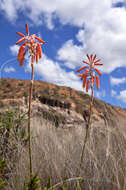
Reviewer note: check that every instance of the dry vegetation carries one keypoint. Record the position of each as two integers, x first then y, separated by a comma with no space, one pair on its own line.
56,150
56,153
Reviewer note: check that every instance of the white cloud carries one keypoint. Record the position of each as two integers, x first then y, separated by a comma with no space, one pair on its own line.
69,12
113,93
81,36
117,81
9,8
14,49
52,72
105,36
76,12
71,54
117,1
104,27
100,94
9,69
122,96
48,18
119,96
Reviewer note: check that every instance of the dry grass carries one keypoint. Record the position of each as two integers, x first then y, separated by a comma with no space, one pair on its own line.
56,153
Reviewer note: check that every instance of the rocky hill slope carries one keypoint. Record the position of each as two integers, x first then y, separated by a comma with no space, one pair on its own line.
61,105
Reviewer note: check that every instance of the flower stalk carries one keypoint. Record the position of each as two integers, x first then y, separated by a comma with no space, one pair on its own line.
29,119
89,76
87,125
32,44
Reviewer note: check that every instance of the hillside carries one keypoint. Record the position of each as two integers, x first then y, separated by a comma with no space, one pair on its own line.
59,117
70,105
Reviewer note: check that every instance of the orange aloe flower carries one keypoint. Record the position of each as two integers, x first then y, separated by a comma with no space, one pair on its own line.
32,44
90,74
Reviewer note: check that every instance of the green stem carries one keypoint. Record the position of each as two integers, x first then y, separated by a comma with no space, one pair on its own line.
87,126
29,120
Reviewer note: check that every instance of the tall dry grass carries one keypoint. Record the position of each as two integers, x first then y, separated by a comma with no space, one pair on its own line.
56,153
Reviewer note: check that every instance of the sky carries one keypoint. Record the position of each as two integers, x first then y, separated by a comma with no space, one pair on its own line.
70,29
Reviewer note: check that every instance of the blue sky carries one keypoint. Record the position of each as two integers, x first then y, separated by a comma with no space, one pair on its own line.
71,29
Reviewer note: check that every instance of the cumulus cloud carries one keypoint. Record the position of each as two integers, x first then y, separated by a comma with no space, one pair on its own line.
119,96
113,93
102,27
104,35
9,8
51,71
14,49
117,81
117,1
100,94
107,38
122,96
71,54
9,69
36,10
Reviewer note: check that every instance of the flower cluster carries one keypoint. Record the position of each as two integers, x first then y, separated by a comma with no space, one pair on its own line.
32,44
90,72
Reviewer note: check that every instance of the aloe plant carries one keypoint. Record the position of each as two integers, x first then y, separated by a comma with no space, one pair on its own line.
32,45
89,76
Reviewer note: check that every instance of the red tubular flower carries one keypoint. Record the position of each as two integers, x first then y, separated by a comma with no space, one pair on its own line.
82,68
39,39
94,57
21,40
87,85
85,62
27,30
97,61
97,82
39,51
32,44
84,81
21,54
37,57
21,60
98,71
90,72
20,34
93,79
